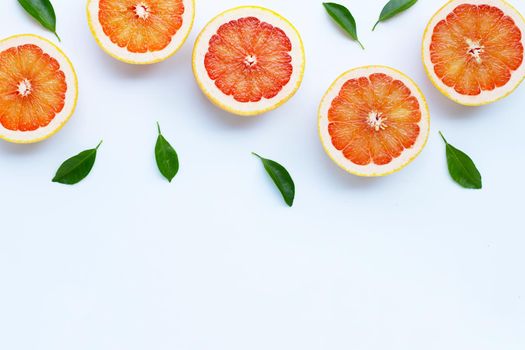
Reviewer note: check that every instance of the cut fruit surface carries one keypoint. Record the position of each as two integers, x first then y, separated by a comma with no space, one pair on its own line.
373,121
38,89
140,31
249,60
473,50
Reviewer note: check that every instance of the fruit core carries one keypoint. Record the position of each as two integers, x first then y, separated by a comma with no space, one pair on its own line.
24,88
141,10
377,121
475,49
250,60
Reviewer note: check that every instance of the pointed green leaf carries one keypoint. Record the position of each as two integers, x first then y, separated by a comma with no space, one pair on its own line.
461,168
281,177
166,156
392,8
342,16
76,168
43,12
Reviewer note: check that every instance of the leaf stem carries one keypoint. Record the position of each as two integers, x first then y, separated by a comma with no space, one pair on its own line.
258,156
158,128
375,25
100,143
360,44
443,137
56,34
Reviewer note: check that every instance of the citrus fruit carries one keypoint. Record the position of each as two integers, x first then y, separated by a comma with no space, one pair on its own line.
473,50
38,89
249,60
140,31
373,121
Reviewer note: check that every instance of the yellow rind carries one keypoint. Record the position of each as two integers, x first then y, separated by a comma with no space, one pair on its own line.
327,151
443,90
57,129
227,108
121,59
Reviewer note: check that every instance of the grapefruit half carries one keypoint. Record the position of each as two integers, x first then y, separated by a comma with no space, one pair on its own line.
249,60
38,89
373,121
140,31
473,50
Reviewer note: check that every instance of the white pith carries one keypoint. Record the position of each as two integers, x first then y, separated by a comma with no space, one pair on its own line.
250,60
377,121
71,93
142,11
228,102
475,49
372,169
484,97
24,88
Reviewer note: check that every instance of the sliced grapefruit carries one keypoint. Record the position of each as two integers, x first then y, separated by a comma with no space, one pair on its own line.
473,50
249,60
373,121
140,31
38,89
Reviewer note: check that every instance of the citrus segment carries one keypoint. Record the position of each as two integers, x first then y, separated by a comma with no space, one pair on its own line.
248,60
140,31
474,50
38,89
373,121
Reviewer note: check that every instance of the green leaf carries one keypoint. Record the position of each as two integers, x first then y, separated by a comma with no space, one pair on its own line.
461,168
166,156
76,168
342,16
281,178
392,8
43,12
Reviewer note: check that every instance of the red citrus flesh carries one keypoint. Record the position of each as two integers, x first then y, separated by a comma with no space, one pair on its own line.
141,25
32,88
476,48
374,119
249,59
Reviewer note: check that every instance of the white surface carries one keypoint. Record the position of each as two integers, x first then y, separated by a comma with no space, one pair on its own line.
215,260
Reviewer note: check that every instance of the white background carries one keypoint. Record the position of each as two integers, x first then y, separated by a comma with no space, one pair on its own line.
215,260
